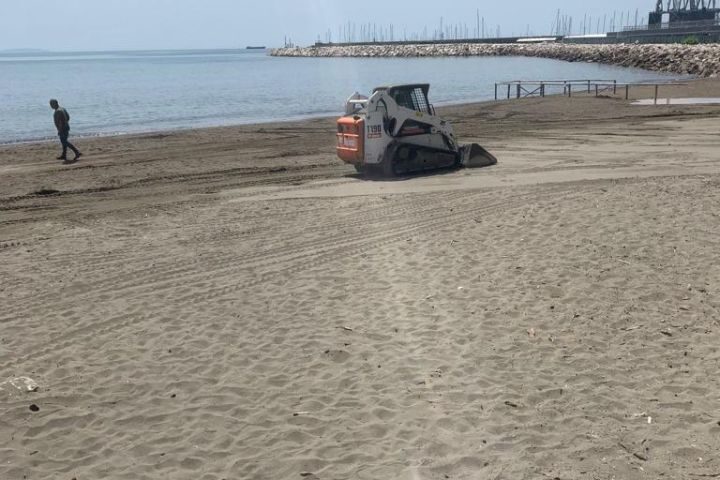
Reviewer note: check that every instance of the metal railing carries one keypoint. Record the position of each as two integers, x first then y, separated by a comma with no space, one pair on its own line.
672,26
525,88
530,88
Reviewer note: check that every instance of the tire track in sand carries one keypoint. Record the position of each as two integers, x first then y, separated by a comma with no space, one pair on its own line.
156,275
113,324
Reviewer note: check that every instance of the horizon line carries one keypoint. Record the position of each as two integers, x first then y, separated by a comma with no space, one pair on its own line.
128,50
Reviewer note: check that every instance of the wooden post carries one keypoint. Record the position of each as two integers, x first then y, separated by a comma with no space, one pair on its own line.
508,91
542,89
518,90
627,91
496,92
614,87
656,94
569,89
588,86
597,90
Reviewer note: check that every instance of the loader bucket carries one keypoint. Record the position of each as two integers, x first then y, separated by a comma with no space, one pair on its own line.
475,156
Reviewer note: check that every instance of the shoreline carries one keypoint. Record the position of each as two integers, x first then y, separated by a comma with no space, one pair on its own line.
700,60
51,139
288,121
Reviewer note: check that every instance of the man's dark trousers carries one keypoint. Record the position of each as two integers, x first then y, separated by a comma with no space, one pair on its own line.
66,144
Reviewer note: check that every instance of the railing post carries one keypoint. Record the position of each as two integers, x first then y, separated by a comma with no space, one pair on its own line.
542,89
569,89
656,94
496,92
508,91
614,87
518,90
597,90
588,86
627,91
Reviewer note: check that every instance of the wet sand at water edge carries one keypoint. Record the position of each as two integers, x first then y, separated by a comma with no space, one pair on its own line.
236,303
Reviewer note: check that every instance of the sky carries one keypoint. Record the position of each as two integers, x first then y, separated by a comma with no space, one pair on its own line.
83,25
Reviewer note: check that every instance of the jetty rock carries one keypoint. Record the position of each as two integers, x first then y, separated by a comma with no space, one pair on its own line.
698,60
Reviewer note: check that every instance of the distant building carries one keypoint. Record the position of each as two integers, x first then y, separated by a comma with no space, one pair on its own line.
668,12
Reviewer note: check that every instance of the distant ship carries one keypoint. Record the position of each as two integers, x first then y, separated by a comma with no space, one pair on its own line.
255,48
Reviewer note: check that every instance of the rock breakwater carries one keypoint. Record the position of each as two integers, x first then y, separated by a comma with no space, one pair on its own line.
699,60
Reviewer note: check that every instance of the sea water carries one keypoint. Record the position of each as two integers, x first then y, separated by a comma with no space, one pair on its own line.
129,92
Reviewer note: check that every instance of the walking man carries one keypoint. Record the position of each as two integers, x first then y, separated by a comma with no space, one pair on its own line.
62,123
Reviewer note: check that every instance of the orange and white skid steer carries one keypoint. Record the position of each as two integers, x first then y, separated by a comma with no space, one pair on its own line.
396,131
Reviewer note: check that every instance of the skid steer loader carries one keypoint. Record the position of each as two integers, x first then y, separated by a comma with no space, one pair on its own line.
396,132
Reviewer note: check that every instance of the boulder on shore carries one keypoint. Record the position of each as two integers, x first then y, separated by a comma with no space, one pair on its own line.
700,60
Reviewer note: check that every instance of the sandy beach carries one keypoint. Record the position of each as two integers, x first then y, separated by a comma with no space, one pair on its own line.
236,303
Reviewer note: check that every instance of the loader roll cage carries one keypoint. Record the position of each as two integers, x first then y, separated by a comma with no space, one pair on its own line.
412,97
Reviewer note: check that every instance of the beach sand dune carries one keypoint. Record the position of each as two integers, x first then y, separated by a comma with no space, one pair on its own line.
260,312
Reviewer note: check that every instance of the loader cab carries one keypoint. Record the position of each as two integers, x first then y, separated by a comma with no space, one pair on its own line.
412,97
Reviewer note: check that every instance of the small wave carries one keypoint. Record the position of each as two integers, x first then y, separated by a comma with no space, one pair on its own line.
46,139
27,140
